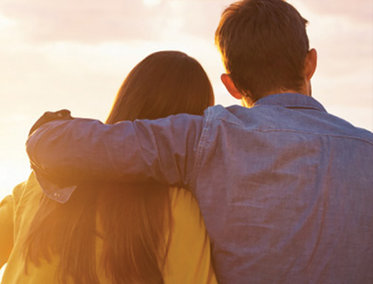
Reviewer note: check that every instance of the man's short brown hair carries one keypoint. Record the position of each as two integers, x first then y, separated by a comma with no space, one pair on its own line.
264,44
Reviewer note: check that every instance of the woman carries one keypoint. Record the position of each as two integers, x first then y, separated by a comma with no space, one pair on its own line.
117,233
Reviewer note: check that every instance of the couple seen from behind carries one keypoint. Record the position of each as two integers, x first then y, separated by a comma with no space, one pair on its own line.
172,189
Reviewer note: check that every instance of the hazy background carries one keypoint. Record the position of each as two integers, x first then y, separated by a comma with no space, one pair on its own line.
75,54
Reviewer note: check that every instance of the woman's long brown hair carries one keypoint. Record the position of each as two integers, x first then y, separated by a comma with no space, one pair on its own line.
131,222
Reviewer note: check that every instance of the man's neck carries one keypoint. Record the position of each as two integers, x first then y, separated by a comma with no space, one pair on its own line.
304,91
247,102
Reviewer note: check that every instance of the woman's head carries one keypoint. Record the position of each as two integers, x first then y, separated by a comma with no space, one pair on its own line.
164,83
136,219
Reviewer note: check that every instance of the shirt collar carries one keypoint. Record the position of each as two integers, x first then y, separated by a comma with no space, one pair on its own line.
291,100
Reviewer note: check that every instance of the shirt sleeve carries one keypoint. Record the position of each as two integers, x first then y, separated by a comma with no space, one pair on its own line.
8,208
73,151
6,225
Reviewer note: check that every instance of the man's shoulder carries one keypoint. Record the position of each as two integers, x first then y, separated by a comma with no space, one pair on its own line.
219,113
271,118
234,114
343,128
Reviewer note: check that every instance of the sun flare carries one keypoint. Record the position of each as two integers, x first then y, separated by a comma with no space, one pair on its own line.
5,22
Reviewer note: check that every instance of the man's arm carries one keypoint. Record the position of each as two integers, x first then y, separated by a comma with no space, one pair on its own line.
73,151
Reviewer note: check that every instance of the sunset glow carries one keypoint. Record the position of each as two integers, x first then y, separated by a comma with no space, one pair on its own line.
4,22
151,2
78,59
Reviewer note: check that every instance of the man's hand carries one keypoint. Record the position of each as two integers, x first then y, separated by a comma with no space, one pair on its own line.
49,116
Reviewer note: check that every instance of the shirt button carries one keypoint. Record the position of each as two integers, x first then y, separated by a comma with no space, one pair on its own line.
57,195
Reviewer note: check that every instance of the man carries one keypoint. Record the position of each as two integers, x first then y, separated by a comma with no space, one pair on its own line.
284,187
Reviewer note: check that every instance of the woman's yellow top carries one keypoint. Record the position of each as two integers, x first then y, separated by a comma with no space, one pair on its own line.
188,258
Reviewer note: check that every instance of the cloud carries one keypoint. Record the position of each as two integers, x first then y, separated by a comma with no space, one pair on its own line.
85,21
200,18
49,42
120,20
112,20
361,10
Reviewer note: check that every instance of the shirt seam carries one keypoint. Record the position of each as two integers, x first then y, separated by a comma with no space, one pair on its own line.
200,147
312,133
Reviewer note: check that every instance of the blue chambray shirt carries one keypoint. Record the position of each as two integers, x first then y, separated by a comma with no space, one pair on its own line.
286,189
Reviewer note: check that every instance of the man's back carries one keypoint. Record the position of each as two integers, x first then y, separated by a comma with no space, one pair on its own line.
285,188
286,192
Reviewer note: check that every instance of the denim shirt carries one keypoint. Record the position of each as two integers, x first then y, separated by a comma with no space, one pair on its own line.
286,189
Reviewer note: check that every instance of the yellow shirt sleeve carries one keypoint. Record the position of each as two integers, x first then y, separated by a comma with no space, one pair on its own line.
7,217
6,228
16,213
189,255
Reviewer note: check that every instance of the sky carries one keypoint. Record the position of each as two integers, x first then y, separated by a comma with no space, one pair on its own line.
75,54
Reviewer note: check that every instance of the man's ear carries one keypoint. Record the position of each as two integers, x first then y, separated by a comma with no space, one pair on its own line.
310,64
229,85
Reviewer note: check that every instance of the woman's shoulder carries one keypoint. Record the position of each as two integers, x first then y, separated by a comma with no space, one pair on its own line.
27,190
25,197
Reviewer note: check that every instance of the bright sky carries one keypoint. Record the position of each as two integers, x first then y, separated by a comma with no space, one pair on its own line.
75,54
